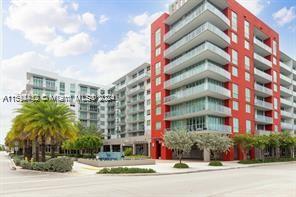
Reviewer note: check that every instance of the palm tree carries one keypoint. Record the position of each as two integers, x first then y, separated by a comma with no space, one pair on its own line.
48,121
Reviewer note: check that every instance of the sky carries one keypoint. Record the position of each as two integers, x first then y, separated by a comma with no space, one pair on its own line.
95,40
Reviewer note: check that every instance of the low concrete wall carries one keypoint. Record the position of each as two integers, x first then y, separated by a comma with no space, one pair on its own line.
97,163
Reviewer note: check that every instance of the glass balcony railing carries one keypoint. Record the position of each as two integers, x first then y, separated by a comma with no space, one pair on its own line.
139,77
286,102
194,34
136,89
262,45
201,68
263,104
216,108
195,52
195,14
209,127
263,89
286,90
286,114
285,125
285,66
264,119
197,90
285,78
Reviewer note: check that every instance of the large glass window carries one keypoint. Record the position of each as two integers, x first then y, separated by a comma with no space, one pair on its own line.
158,98
247,29
234,91
248,126
37,81
234,21
248,94
157,37
247,63
234,57
235,125
157,68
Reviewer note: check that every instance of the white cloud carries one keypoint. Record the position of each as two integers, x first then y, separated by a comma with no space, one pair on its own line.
77,44
284,15
132,51
254,6
48,21
89,20
103,19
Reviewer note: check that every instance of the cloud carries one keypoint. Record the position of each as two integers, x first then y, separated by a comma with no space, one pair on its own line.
89,20
103,19
46,22
77,44
130,52
254,6
284,15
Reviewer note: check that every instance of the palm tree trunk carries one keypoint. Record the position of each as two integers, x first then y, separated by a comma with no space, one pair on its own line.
52,147
43,148
37,149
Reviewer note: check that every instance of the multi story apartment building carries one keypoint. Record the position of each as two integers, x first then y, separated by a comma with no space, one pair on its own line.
129,116
215,67
40,82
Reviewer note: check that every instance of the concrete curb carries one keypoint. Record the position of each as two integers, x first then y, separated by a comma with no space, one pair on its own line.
12,164
204,170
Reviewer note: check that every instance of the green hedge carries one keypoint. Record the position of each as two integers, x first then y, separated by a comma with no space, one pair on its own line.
124,170
266,160
215,163
61,164
181,165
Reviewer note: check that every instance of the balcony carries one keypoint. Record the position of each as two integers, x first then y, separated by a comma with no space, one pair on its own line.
263,132
133,101
202,52
286,114
286,92
210,128
135,120
41,86
136,90
287,126
139,78
263,105
285,68
204,70
262,91
207,89
263,119
285,102
189,112
285,80
262,62
262,77
262,48
206,12
206,32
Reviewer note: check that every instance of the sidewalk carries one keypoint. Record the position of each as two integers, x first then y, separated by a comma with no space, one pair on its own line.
165,167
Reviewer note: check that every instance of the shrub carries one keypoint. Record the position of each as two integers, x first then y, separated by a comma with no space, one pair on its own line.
181,165
40,166
124,170
61,164
25,164
128,152
215,163
283,159
17,160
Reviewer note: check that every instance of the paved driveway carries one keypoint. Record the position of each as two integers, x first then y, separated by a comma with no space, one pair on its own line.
277,180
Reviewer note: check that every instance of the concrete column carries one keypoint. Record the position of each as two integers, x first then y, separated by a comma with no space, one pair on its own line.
121,148
111,150
134,149
206,155
145,149
148,149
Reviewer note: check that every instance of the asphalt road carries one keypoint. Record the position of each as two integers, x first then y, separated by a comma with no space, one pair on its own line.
275,180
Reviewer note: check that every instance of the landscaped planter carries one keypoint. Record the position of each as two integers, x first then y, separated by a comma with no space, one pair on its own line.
134,162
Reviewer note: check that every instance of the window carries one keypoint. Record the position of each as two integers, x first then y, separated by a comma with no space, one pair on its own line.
158,98
157,51
148,123
276,128
158,111
158,81
157,68
274,60
247,45
274,47
235,105
247,76
234,56
234,21
248,108
275,103
234,71
148,112
158,125
247,63
235,125
247,29
248,126
248,95
276,115
275,87
274,76
157,37
234,91
234,37
148,102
